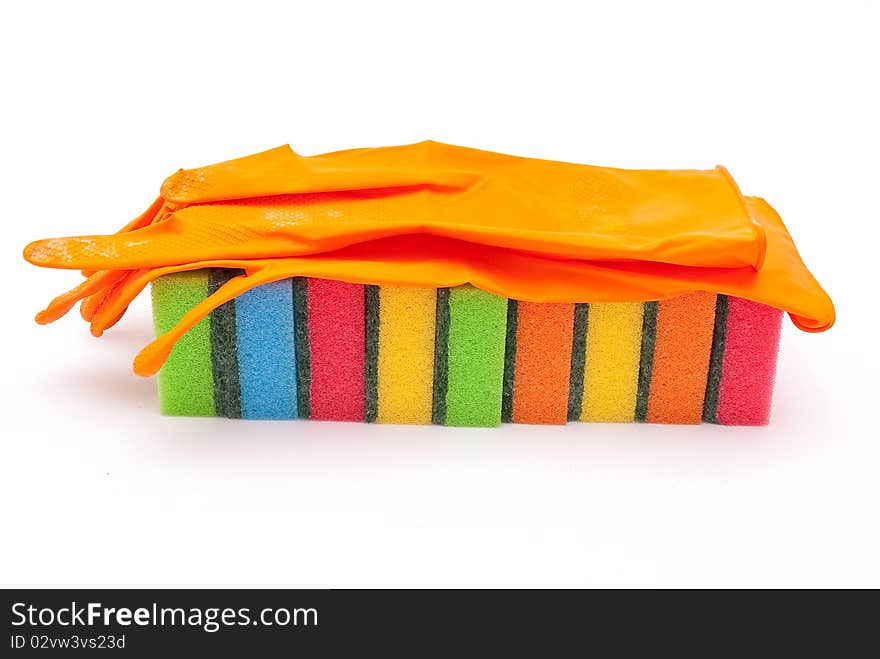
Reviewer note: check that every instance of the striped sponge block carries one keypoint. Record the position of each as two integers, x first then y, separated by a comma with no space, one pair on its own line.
321,349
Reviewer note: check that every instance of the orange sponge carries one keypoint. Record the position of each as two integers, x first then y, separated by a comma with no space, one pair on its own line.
682,347
541,354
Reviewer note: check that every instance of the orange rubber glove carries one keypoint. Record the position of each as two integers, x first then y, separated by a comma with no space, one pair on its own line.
279,204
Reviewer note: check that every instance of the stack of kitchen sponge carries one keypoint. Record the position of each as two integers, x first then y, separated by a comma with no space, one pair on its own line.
323,349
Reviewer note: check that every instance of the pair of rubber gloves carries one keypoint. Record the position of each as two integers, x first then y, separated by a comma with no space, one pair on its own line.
435,215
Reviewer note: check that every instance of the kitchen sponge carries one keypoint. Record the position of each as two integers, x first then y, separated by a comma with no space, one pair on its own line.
477,324
186,381
538,362
405,354
740,386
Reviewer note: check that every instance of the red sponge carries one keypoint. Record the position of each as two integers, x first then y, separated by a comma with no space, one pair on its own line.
338,350
751,347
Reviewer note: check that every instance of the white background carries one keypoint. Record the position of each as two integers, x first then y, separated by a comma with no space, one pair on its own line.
101,101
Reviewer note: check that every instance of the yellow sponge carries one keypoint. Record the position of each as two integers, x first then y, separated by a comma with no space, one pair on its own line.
611,366
406,354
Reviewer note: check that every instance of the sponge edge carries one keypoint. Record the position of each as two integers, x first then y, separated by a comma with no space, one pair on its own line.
302,352
749,366
646,359
441,357
224,348
716,361
186,381
578,356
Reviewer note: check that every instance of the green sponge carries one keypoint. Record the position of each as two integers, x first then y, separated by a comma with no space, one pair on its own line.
186,381
475,357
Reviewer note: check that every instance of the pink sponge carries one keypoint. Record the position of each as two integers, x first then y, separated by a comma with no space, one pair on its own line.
749,366
337,350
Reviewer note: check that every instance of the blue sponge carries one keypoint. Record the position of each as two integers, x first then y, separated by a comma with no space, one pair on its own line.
266,352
